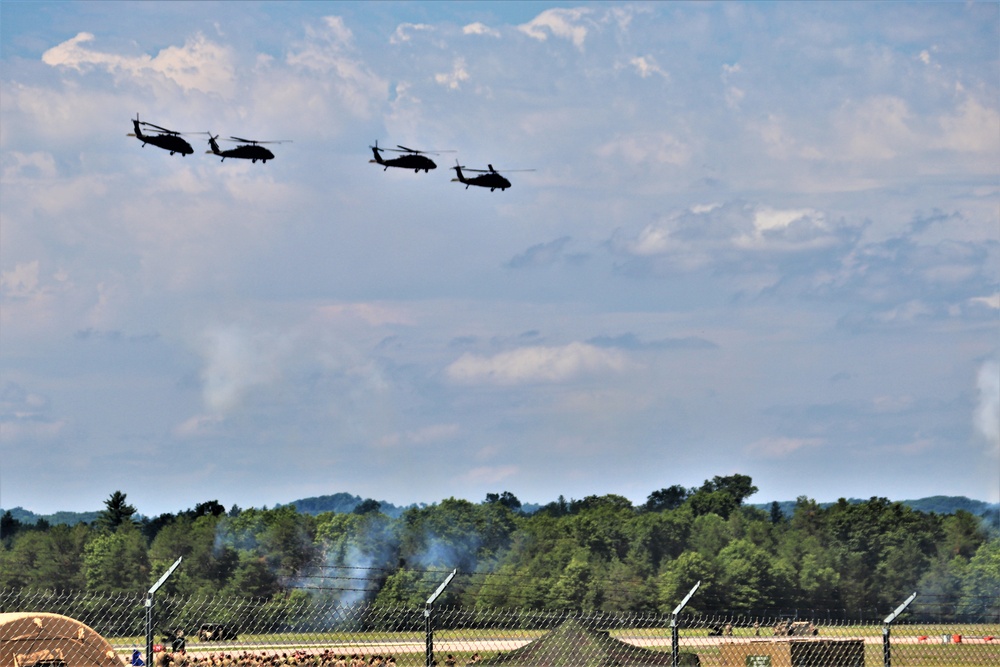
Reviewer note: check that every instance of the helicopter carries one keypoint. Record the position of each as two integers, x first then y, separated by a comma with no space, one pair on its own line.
249,149
488,178
412,159
168,140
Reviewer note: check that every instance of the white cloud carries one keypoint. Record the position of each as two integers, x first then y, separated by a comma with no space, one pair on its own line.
972,128
876,128
198,426
562,23
734,94
786,229
21,281
646,66
345,81
198,65
480,29
17,165
536,364
992,301
647,148
403,32
652,240
453,79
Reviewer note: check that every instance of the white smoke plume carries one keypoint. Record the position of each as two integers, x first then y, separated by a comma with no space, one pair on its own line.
987,414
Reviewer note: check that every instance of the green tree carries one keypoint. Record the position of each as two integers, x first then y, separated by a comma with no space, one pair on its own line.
679,577
570,589
115,562
669,498
981,583
747,577
721,495
116,512
252,578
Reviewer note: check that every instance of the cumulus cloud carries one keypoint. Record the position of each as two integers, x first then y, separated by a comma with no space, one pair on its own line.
877,128
478,28
35,165
21,281
404,32
972,128
24,416
646,66
328,50
711,234
453,79
787,228
565,23
539,364
987,414
197,65
647,149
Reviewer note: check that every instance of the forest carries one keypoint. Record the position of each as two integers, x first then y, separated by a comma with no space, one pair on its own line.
600,553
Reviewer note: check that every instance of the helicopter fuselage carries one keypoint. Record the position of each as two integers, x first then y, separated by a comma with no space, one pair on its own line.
252,152
490,179
413,161
168,142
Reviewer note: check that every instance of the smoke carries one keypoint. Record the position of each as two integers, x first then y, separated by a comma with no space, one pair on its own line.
987,414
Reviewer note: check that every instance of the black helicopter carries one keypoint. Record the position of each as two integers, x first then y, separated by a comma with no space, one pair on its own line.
168,140
487,178
411,158
248,150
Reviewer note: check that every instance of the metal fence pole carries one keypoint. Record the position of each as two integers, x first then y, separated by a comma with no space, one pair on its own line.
429,619
886,643
675,635
149,609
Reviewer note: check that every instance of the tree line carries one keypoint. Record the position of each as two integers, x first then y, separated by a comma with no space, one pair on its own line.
600,553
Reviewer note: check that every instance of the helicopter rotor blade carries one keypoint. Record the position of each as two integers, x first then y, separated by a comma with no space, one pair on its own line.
255,142
157,127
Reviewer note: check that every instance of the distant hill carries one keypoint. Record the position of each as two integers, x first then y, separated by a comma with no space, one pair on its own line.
345,503
68,518
341,503
936,504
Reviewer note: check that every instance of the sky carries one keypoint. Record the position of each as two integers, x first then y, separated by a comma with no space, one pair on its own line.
758,239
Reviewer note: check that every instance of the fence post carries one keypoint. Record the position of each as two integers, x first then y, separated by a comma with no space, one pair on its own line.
886,644
149,609
675,635
429,619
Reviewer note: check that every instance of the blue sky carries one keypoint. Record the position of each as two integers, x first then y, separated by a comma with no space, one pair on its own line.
759,238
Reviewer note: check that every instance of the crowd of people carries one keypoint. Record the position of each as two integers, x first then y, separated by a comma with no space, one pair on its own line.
299,658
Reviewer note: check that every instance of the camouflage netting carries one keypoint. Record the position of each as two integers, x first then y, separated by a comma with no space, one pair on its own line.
574,645
37,639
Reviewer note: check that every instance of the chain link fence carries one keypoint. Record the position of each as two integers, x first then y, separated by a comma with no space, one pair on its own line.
301,630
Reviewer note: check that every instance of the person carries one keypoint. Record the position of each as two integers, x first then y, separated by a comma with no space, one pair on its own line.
450,660
137,659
